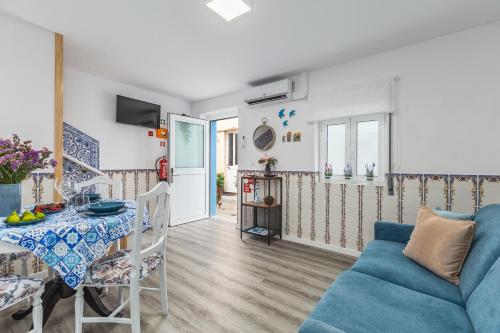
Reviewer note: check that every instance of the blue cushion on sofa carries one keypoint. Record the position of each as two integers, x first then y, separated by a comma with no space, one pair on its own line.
483,305
385,260
485,249
359,303
453,215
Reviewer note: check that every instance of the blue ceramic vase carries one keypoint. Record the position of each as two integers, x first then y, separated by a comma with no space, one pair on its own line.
10,198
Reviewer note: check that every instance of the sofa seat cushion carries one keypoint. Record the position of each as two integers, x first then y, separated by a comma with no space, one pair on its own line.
385,260
360,303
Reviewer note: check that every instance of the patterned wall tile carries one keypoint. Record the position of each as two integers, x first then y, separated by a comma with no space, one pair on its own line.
412,193
436,191
489,189
80,146
463,193
351,217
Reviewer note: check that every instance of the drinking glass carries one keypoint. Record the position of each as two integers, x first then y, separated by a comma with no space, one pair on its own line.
80,202
67,191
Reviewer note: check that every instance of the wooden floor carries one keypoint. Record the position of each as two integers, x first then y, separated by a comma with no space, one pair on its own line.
217,283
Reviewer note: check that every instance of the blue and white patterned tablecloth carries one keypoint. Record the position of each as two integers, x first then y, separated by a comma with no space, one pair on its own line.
69,242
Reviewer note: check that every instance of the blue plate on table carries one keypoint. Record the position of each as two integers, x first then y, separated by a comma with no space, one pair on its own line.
94,214
106,206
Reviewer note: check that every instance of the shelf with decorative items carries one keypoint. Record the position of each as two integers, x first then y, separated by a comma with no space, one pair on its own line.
261,206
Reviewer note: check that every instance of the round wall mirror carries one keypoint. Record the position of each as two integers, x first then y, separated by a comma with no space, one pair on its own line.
264,137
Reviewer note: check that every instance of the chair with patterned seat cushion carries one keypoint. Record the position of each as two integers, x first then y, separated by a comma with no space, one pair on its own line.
15,289
127,268
117,268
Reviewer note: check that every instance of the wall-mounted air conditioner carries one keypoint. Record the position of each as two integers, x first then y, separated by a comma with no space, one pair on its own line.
279,91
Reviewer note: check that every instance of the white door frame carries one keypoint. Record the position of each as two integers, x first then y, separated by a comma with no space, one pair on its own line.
189,171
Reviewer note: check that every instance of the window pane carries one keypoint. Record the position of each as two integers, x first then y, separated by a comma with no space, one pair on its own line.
189,145
230,148
367,149
336,147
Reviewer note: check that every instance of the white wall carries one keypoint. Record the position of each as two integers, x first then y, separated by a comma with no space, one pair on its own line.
26,82
449,106
90,105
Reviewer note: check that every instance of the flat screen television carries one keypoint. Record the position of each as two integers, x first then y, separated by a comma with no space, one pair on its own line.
135,112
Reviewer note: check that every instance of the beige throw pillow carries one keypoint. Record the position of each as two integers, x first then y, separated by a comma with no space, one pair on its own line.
440,244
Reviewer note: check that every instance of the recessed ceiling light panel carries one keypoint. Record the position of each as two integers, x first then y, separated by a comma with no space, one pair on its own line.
229,9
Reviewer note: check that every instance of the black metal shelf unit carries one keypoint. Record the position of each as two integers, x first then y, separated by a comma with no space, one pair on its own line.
256,217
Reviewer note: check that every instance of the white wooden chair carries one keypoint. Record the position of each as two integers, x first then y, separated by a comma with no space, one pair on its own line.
15,289
102,185
127,268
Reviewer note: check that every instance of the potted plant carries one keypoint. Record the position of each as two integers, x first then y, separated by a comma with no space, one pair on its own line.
370,168
348,171
270,162
220,188
328,170
17,161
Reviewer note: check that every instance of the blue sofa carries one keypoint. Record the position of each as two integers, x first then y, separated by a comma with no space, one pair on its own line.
386,292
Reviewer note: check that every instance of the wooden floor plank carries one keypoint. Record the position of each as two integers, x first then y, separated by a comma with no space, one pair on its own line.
218,283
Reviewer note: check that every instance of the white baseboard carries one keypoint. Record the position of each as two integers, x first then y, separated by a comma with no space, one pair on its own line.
329,247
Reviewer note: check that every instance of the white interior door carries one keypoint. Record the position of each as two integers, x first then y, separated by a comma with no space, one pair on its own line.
188,146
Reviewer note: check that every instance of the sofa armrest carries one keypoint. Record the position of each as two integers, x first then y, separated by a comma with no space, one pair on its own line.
316,326
393,232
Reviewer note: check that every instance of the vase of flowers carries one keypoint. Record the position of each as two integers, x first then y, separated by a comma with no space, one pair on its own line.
370,169
270,163
17,161
328,170
348,171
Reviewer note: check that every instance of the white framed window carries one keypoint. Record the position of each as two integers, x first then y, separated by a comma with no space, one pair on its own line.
356,141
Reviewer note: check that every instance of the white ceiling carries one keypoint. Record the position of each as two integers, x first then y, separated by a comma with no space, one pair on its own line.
180,47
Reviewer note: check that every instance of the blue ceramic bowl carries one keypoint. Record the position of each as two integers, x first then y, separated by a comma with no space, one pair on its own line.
93,196
106,206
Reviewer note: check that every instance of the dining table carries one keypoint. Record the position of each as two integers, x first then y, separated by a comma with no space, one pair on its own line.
69,242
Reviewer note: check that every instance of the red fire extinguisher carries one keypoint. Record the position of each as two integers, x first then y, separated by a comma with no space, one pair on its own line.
162,168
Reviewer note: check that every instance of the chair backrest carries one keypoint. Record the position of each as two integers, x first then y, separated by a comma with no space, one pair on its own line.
105,186
159,221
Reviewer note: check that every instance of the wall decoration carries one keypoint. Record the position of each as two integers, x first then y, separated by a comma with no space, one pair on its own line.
84,148
264,136
283,138
296,137
163,144
151,133
289,136
281,114
163,121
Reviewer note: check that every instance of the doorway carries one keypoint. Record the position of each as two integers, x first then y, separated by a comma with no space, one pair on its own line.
224,150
